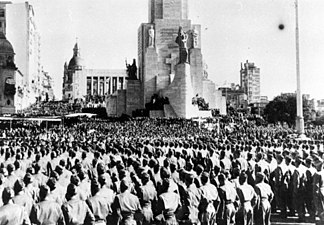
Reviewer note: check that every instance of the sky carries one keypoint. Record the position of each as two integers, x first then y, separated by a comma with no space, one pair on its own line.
233,31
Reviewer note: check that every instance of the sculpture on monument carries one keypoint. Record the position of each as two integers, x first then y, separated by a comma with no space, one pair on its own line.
195,37
183,49
151,37
131,70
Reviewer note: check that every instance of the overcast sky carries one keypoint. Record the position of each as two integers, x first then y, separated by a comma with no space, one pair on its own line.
233,31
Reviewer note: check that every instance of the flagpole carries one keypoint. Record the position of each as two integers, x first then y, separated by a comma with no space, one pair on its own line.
299,97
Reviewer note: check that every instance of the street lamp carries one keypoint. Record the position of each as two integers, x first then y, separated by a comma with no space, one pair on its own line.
299,97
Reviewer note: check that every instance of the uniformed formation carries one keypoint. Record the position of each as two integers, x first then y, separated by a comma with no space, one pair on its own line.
158,171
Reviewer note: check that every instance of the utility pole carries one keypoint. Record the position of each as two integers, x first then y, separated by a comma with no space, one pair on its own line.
299,96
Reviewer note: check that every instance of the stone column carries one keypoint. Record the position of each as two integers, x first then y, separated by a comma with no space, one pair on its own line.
98,85
111,85
91,86
105,85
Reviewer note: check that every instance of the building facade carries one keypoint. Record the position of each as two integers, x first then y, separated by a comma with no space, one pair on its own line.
22,31
47,87
81,83
250,81
7,73
235,96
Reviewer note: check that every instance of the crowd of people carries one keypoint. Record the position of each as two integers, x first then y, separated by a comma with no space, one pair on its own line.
160,171
50,108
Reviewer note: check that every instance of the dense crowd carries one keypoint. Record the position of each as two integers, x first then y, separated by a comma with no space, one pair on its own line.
50,108
160,171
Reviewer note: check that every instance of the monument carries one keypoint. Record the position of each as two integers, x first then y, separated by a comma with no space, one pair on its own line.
180,91
170,62
170,71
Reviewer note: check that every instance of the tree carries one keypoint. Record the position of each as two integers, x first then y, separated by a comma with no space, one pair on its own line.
283,109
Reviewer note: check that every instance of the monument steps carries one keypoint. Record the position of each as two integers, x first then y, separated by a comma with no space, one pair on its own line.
169,111
157,114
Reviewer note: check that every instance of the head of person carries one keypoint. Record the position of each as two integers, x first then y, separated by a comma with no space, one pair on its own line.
156,168
279,158
10,168
100,168
236,154
221,179
37,168
236,172
199,169
152,163
164,172
74,179
173,166
19,186
165,185
44,190
260,177
7,195
242,178
145,177
102,180
318,164
204,177
124,185
298,161
28,179
259,157
71,191
122,174
51,183
95,187
287,160
166,163
189,179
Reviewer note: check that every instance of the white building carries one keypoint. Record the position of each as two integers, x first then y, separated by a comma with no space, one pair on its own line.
23,34
250,82
80,83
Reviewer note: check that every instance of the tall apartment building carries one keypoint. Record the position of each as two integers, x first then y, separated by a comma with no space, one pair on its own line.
250,81
24,36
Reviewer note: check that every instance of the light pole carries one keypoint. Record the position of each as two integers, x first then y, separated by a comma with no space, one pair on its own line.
299,96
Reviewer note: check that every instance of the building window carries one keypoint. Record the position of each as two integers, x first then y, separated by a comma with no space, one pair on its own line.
2,13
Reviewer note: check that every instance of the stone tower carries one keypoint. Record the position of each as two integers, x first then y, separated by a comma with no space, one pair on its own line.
76,63
7,76
158,51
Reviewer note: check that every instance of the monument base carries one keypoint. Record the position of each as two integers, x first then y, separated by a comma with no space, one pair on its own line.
180,93
7,110
111,105
300,125
133,99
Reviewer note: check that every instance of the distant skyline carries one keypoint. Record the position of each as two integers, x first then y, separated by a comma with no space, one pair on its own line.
233,31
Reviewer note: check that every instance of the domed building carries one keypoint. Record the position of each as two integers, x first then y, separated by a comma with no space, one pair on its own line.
7,76
74,65
76,61
89,85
